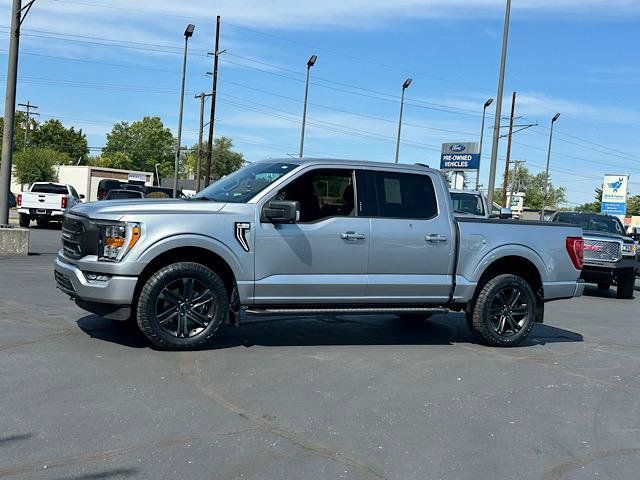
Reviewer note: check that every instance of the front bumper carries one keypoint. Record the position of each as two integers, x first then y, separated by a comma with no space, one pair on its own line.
117,290
608,272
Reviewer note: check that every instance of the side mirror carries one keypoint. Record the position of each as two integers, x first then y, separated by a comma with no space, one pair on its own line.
281,211
82,196
505,213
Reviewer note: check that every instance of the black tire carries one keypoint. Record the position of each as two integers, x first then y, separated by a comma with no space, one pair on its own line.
625,286
25,220
505,311
42,223
185,325
604,286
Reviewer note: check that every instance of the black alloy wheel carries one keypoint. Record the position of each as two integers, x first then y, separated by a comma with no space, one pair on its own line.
185,307
508,311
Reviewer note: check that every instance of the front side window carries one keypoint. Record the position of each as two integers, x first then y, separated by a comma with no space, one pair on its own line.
244,184
397,195
322,193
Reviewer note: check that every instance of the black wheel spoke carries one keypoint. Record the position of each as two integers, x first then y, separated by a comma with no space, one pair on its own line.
166,316
169,296
514,298
187,289
202,299
198,318
522,309
183,328
515,326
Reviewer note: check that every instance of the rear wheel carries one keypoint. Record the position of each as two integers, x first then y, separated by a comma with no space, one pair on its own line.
505,311
182,306
25,220
625,286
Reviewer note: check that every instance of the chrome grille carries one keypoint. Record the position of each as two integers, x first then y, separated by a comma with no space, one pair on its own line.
602,251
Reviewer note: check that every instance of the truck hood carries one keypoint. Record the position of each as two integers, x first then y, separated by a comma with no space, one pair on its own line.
114,208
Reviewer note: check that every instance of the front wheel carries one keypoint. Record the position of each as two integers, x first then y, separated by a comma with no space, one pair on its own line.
25,220
625,286
505,311
604,286
181,306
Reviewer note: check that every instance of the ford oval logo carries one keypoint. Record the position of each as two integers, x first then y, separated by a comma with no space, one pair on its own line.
458,147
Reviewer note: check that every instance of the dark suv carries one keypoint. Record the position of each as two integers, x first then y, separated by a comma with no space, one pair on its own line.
609,254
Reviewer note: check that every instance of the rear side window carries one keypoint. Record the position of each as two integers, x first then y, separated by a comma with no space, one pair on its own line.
49,188
396,195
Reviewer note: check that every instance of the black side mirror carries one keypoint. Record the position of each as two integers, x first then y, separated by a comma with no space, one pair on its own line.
281,211
505,213
81,196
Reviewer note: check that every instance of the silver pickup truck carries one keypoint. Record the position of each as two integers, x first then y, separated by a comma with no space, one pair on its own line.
313,236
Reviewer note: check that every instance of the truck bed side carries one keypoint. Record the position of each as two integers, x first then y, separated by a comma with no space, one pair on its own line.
542,244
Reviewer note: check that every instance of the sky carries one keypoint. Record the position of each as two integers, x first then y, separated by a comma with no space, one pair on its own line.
92,63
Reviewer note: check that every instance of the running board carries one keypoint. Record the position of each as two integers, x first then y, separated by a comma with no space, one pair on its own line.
342,310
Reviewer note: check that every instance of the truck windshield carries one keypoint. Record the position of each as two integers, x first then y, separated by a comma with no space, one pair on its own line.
594,223
244,184
468,203
49,188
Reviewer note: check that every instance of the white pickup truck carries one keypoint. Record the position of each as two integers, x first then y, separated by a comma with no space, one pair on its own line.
46,201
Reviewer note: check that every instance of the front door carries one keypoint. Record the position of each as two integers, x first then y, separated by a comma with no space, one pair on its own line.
412,246
322,258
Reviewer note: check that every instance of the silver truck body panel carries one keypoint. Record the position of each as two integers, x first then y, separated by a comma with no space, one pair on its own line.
392,261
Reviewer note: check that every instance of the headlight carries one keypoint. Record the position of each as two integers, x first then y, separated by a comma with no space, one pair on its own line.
116,240
629,249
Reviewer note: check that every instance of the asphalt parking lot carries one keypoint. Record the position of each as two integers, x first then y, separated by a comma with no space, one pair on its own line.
313,398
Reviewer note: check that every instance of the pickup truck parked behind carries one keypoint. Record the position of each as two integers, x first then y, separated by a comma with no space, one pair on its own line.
303,236
46,201
609,254
470,203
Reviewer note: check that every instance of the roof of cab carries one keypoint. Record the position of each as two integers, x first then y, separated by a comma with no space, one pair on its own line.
354,163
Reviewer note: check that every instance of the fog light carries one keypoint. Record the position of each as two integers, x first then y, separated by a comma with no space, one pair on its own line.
96,277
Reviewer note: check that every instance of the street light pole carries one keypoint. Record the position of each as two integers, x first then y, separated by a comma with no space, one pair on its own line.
546,171
484,111
496,123
9,112
406,83
310,63
188,33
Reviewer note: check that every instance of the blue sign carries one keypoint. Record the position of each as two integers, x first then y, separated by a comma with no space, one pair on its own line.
460,156
459,161
613,208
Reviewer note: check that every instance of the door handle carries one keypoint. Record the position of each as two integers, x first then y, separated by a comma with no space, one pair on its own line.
352,236
435,238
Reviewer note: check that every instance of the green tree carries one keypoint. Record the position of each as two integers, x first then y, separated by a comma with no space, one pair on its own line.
592,206
38,164
533,187
112,160
223,159
20,123
53,134
146,142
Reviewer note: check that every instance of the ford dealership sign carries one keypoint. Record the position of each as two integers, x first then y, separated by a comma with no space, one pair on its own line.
460,156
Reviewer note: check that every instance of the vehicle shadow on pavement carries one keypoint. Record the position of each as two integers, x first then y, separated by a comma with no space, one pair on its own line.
122,333
592,291
328,330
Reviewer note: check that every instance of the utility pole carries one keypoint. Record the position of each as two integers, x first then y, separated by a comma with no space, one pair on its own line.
17,17
405,85
212,115
28,106
506,166
546,172
496,123
202,96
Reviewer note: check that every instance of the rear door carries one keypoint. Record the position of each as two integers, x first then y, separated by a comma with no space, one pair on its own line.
412,247
322,258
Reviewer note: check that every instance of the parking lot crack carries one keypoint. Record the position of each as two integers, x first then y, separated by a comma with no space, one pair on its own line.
188,369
